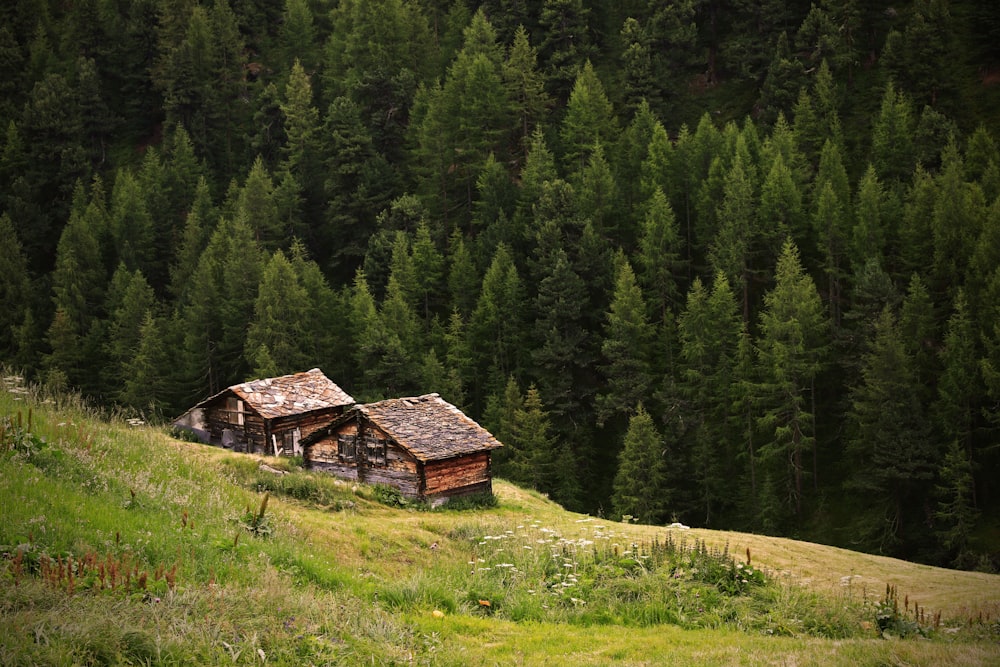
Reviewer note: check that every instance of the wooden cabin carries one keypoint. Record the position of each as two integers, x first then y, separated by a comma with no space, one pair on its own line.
424,446
269,416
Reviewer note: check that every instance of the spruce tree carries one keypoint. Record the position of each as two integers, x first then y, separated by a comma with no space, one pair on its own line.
792,342
590,119
281,312
639,489
525,87
890,448
957,406
708,330
626,347
659,259
15,287
146,373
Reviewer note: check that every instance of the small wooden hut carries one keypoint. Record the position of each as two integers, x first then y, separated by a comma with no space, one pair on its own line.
269,416
424,446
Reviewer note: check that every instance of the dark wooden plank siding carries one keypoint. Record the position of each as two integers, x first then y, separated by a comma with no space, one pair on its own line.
456,473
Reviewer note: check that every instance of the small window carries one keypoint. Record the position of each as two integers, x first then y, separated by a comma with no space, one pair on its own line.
346,447
376,450
235,411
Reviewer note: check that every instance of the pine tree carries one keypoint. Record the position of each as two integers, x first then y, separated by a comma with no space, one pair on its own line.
781,83
193,240
566,44
780,213
916,240
303,151
325,337
255,204
890,447
626,347
359,184
732,250
223,293
15,287
956,514
892,137
495,329
535,459
708,330
597,198
959,388
639,489
918,327
959,215
791,347
499,418
132,224
298,37
428,265
463,280
146,373
589,120
525,89
659,258
637,65
870,236
560,339
130,297
280,314
466,121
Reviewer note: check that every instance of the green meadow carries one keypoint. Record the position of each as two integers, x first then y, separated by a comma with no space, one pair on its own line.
122,545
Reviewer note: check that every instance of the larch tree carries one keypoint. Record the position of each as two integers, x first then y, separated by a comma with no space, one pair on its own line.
280,313
559,349
566,44
626,347
129,298
890,445
590,119
525,86
639,489
15,287
732,249
957,407
708,330
892,137
791,348
659,258
146,374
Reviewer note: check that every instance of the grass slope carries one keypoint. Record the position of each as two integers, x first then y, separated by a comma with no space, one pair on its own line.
123,546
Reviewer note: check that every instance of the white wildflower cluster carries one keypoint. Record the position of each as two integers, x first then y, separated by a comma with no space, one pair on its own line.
547,560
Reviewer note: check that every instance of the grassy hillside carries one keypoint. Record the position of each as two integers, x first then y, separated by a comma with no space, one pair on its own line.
122,545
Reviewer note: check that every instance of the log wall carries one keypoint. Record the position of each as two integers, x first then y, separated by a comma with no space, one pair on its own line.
457,476
443,477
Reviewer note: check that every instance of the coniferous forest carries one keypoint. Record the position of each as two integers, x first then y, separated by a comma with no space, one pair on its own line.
734,263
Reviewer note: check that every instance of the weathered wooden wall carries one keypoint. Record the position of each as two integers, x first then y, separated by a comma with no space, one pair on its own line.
399,468
254,435
458,476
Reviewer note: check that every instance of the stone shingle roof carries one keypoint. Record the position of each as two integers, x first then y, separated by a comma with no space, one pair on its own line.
291,394
429,427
